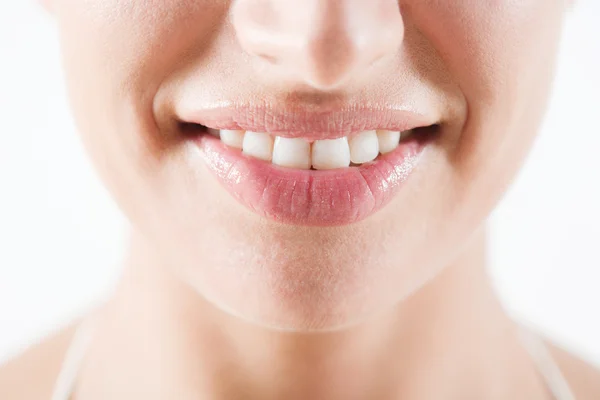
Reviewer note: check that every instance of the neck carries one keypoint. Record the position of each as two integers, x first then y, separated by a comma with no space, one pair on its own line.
158,338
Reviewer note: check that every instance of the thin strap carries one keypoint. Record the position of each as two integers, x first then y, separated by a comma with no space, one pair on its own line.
547,366
65,383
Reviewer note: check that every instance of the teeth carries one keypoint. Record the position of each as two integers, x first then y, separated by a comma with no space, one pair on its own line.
364,147
388,140
330,154
322,154
258,145
232,138
292,153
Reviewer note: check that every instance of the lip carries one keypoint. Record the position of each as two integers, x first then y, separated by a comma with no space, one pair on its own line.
311,123
308,197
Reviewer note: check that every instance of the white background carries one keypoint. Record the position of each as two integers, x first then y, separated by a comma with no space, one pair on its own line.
61,237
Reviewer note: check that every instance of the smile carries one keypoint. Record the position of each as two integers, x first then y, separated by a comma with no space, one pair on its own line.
321,154
295,172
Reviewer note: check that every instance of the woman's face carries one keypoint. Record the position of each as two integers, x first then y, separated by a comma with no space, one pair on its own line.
287,246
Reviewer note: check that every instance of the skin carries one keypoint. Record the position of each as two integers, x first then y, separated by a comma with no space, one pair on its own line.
217,302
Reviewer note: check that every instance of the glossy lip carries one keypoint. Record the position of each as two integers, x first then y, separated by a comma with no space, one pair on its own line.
308,197
311,123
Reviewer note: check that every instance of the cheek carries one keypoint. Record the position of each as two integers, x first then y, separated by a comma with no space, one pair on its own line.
116,54
120,47
501,54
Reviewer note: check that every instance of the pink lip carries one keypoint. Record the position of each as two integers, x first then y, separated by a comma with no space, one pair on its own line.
308,197
311,123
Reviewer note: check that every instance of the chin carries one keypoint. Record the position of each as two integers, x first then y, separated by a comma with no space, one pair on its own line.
298,286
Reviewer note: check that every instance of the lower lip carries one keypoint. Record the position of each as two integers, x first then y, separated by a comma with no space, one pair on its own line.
308,197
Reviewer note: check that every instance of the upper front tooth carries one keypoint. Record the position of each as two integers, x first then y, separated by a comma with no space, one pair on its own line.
232,138
292,153
330,153
388,140
364,147
258,144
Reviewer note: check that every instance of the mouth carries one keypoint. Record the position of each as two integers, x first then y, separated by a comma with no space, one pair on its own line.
314,169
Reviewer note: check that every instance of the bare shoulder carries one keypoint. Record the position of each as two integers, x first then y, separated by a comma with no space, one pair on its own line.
32,374
583,378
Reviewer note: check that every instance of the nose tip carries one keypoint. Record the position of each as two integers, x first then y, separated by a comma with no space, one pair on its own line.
323,43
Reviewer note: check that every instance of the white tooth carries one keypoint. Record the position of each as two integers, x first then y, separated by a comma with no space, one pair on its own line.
364,147
292,153
330,153
258,144
388,140
232,138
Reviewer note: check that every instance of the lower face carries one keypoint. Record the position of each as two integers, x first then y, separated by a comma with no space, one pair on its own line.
292,206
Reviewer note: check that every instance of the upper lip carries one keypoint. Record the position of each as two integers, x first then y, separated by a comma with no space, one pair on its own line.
310,123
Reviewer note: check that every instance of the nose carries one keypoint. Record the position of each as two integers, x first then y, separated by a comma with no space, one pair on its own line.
323,43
